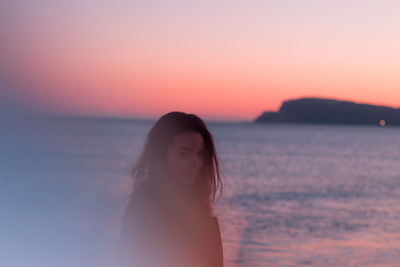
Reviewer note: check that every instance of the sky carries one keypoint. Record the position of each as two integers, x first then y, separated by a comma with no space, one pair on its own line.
227,60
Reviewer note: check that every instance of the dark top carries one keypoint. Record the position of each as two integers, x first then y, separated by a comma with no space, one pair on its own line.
157,231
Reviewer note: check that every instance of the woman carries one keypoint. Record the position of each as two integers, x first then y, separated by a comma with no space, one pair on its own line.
169,219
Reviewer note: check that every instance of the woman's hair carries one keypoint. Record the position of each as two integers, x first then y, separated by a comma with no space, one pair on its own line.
151,160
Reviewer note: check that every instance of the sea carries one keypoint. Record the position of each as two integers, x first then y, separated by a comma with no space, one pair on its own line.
293,195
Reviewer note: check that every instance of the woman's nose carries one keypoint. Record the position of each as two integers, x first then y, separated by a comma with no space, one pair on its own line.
197,161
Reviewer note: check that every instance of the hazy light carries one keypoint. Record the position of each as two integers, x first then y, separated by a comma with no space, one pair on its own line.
382,122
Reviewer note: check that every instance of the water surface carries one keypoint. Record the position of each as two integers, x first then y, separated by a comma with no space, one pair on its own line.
294,195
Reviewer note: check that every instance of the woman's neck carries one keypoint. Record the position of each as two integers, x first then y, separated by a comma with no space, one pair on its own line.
179,196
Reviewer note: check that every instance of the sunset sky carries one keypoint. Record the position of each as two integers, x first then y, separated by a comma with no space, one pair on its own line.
218,59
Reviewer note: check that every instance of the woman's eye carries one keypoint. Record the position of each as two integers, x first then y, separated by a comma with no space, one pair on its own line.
185,154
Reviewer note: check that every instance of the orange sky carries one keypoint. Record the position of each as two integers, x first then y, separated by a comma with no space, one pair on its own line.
219,59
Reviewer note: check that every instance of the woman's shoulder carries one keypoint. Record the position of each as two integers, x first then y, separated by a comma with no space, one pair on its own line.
218,249
141,199
215,224
139,212
214,219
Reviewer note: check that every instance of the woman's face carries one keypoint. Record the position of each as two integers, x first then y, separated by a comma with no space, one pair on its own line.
184,157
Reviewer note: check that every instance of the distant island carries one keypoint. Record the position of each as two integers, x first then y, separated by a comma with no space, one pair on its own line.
331,111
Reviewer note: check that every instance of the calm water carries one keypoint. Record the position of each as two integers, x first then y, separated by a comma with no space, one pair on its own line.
295,195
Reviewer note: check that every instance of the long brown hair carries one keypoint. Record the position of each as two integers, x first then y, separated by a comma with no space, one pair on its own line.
151,160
